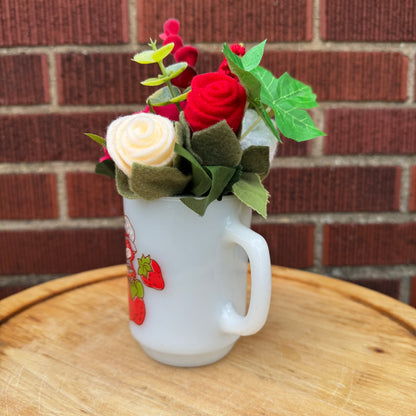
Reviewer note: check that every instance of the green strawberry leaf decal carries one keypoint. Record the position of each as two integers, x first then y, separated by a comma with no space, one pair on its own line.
136,289
144,265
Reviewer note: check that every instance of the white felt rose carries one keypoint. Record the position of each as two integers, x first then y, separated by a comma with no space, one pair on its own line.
144,138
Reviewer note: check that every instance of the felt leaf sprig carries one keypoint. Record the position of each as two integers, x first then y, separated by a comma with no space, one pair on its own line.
222,131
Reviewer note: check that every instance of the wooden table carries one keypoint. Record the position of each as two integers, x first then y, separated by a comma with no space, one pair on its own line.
328,348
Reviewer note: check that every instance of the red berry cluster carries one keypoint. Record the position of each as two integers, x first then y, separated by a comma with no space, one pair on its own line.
181,53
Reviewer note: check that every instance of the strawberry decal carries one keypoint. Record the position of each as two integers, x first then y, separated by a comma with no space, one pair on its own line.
150,273
136,303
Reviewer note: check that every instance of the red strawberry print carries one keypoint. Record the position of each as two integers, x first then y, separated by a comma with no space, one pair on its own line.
150,273
137,310
136,304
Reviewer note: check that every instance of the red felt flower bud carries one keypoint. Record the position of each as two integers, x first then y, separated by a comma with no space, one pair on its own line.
176,39
239,50
188,54
215,97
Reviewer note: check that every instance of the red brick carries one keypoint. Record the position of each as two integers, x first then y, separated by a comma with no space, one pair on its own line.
60,250
373,20
290,245
412,198
230,21
330,189
28,196
24,80
292,148
369,244
54,22
92,195
370,131
413,292
390,287
102,78
345,76
52,136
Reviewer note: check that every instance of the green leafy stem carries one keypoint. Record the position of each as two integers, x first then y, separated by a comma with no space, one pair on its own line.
285,97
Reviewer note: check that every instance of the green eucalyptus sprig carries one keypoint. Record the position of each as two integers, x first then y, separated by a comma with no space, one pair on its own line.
168,94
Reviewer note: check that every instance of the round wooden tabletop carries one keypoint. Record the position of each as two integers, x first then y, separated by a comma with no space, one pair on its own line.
328,348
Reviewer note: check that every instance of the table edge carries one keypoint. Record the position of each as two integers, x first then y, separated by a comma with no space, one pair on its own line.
401,313
18,302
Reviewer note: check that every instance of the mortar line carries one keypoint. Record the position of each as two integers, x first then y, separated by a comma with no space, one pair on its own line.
133,29
314,45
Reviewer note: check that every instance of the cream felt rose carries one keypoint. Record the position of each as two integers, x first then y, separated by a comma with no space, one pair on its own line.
144,138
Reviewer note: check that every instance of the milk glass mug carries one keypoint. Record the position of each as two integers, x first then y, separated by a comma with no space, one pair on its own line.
188,278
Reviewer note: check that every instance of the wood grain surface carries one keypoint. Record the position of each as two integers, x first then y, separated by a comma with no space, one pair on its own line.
328,348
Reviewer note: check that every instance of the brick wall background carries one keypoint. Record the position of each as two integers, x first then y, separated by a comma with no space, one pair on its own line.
343,205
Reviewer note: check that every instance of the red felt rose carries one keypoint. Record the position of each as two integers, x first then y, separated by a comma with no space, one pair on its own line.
215,97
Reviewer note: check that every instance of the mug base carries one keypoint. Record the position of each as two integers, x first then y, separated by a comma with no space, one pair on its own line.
188,360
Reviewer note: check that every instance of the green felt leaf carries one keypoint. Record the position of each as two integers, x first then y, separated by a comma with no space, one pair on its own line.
106,168
217,145
136,289
122,184
152,182
295,124
161,53
251,192
98,139
221,175
255,159
163,96
252,57
201,181
144,265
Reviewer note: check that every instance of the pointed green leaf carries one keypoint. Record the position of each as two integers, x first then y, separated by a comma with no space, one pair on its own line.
163,52
251,192
253,56
98,139
295,124
284,89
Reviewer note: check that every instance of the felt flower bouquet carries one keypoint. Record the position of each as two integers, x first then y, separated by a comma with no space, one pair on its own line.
203,136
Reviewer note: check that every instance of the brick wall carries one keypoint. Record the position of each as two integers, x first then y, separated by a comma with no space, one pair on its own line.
343,205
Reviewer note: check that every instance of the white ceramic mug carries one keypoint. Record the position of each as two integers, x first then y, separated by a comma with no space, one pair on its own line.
188,278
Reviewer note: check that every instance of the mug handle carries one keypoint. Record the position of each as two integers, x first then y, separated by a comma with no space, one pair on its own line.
258,254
